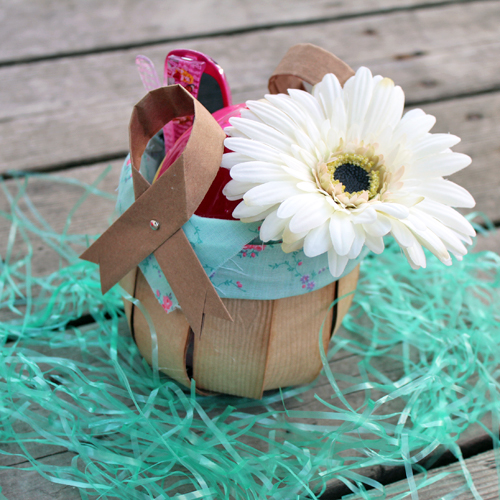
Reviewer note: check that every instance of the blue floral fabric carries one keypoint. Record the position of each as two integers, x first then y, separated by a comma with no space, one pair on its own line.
237,263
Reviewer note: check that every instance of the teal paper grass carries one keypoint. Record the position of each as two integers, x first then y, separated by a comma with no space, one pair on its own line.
131,433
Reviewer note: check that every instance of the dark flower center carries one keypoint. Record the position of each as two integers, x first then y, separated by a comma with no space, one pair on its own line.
353,177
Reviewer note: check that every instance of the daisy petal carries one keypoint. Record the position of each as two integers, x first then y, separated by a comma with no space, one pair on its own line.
270,193
379,227
447,216
249,115
447,236
273,117
292,247
292,205
336,263
434,144
258,172
364,216
254,149
416,256
261,132
231,159
312,214
413,128
341,232
328,91
374,243
289,237
393,209
359,241
308,103
445,192
272,228
357,92
402,234
318,240
296,113
234,190
438,165
301,175
377,113
243,211
234,132
433,243
260,216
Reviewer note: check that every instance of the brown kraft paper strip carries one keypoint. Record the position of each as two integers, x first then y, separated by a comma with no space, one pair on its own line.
309,63
170,201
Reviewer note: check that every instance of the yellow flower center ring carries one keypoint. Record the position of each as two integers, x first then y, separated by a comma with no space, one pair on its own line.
355,173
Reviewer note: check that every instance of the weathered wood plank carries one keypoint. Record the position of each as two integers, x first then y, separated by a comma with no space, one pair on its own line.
482,469
54,201
48,28
19,483
73,109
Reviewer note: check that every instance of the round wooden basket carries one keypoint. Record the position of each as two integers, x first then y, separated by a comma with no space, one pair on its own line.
270,344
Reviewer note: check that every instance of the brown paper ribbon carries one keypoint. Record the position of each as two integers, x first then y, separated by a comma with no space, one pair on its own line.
309,63
170,201
174,197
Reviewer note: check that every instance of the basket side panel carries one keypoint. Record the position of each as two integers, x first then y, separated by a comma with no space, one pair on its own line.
172,331
293,355
346,285
128,284
231,357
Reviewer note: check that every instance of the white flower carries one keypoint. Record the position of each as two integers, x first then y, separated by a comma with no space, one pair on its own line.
340,168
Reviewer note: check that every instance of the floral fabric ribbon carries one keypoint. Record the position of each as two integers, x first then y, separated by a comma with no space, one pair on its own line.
237,268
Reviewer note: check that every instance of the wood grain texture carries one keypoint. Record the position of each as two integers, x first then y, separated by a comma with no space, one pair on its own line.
293,355
172,336
346,285
128,283
229,357
78,108
482,469
21,483
49,27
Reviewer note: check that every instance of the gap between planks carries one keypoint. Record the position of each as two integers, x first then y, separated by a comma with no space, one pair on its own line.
483,469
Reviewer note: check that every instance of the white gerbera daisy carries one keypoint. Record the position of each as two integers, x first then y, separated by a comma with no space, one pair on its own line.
340,168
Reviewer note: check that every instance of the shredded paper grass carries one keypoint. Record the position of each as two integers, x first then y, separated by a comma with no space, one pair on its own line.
415,368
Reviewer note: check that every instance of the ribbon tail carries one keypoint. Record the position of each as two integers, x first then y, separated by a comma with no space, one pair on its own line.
110,272
177,258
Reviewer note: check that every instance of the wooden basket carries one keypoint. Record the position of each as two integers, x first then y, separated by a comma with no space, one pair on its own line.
271,344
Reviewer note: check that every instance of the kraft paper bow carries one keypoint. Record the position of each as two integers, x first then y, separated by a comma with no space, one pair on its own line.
153,224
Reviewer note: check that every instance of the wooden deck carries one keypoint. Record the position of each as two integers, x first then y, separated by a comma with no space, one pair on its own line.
68,84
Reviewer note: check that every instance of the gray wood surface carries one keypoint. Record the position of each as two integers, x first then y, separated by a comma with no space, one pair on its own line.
68,82
48,28
482,470
62,111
